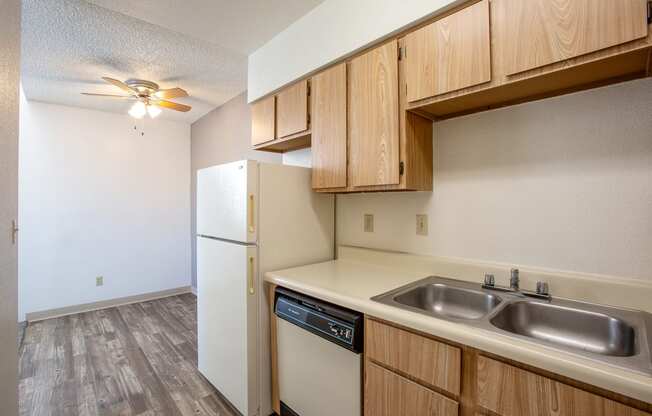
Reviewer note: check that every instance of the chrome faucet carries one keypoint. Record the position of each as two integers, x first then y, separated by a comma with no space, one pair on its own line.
513,280
541,291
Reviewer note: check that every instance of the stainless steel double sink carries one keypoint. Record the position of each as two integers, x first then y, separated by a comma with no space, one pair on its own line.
614,336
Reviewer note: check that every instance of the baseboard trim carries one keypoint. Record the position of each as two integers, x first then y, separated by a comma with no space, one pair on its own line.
193,290
103,304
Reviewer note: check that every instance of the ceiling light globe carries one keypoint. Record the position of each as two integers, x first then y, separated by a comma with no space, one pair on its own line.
138,110
153,111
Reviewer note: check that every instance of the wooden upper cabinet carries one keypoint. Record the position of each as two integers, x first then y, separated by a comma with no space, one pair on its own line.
328,108
510,391
292,109
535,33
374,117
263,115
450,54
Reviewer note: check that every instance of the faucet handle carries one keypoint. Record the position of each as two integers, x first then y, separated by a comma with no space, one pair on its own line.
542,288
489,279
514,279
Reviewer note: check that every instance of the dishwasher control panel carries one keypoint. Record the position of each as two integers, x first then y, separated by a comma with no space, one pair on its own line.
344,333
336,324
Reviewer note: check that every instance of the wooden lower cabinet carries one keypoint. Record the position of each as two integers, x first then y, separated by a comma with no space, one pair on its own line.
388,394
510,391
428,361
408,373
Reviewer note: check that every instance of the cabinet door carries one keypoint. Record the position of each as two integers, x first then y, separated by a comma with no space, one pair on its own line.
292,109
263,114
536,33
449,54
328,108
510,391
373,117
388,394
424,359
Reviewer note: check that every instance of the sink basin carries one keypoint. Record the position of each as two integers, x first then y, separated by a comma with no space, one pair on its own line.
568,327
615,336
442,299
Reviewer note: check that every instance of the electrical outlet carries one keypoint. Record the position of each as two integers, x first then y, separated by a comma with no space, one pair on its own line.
99,281
368,223
422,224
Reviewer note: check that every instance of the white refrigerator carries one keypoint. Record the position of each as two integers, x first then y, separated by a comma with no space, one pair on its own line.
251,218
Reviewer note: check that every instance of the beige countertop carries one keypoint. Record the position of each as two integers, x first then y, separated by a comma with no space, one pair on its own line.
355,277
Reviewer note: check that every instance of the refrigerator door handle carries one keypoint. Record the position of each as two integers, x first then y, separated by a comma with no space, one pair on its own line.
250,275
250,214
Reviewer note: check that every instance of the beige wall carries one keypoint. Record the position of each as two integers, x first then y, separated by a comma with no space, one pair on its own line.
9,77
564,183
223,135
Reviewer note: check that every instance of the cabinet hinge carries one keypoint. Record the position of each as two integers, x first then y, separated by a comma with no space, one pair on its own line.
401,168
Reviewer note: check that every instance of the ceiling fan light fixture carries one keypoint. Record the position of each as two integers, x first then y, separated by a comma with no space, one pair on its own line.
138,110
149,97
153,111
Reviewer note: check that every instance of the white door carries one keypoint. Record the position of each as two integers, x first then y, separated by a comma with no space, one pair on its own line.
226,201
227,320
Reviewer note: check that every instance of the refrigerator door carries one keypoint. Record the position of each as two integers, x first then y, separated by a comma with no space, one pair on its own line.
227,309
227,197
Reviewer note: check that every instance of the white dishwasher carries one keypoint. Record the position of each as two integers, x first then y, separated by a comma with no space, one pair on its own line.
319,347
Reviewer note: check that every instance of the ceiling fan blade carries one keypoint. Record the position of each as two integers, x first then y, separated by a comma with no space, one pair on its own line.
108,95
172,106
121,85
171,93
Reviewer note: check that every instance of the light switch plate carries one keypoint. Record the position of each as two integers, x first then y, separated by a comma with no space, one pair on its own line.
422,224
368,223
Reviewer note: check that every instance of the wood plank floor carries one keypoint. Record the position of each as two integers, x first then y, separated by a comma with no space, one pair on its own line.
138,359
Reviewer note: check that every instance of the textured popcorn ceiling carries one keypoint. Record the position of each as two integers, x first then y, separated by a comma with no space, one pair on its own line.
69,44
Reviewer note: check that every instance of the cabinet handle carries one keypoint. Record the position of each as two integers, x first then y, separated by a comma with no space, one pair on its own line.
250,276
250,214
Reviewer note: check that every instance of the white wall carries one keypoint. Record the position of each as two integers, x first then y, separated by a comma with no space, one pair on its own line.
302,157
564,183
332,30
97,198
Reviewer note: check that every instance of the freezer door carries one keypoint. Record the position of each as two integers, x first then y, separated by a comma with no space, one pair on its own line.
227,198
227,308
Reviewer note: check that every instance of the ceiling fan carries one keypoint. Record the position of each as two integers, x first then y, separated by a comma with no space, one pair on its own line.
149,97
